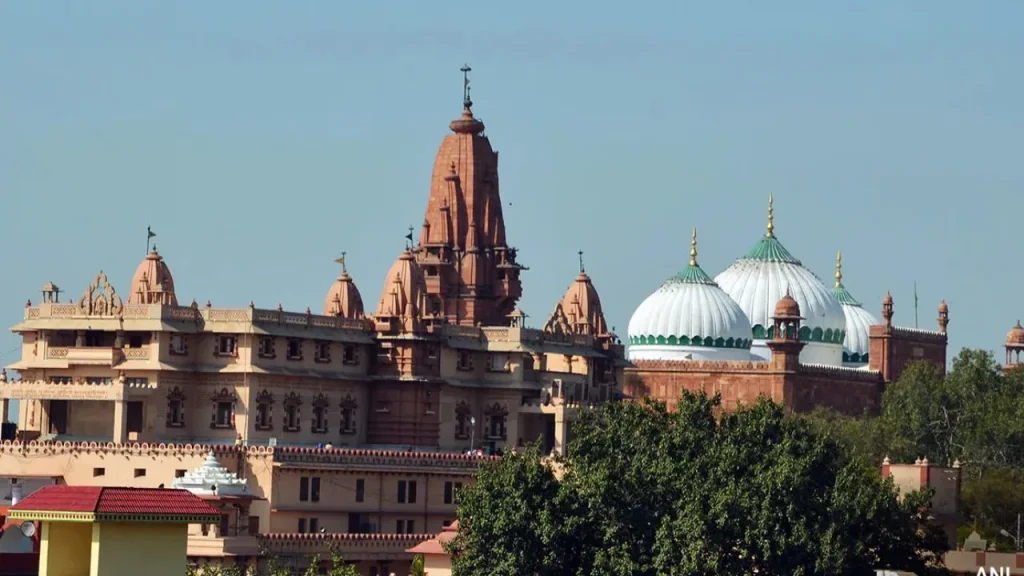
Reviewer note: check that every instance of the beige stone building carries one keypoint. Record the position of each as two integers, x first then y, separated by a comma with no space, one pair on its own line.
350,426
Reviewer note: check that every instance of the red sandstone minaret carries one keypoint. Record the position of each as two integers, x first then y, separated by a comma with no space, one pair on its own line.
785,342
471,273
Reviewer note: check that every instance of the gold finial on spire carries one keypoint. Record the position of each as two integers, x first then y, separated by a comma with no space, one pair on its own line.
839,269
771,217
693,248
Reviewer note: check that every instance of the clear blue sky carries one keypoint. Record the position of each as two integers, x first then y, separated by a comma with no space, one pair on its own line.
259,139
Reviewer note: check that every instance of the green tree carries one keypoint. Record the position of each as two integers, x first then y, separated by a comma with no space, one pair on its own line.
417,569
646,492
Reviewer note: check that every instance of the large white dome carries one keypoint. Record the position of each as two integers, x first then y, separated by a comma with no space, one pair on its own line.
859,321
760,278
689,318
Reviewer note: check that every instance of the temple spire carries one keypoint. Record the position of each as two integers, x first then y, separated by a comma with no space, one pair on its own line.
693,248
771,217
839,269
341,260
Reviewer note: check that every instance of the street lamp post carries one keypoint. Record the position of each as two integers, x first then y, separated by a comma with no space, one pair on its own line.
472,433
1016,539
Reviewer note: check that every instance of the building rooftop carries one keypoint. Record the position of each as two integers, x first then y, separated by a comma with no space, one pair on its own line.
122,503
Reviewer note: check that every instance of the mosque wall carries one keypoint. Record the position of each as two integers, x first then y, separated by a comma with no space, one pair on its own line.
845,390
894,348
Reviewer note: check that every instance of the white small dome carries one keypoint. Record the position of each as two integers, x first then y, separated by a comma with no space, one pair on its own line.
689,318
859,321
763,276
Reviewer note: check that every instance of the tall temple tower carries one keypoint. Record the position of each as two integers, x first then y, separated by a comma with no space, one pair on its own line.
471,273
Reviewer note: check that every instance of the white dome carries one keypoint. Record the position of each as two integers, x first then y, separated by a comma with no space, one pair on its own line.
858,327
689,318
758,280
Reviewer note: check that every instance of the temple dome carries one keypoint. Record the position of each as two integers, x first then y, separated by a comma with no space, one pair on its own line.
857,343
579,311
212,479
343,298
758,280
152,282
404,293
689,318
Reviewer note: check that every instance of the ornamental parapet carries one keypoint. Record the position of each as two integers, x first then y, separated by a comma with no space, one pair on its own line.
919,334
699,366
38,448
377,459
841,372
352,546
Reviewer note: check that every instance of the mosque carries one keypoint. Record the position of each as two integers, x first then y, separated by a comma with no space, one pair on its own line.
767,325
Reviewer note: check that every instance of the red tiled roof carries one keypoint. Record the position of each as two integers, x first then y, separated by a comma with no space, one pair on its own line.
124,501
436,544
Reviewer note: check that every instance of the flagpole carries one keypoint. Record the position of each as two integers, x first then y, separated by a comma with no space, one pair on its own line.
915,304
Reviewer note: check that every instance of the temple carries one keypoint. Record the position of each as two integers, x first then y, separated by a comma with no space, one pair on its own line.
356,426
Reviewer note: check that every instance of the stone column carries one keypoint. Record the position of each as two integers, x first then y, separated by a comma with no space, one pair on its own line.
561,430
80,339
120,422
5,407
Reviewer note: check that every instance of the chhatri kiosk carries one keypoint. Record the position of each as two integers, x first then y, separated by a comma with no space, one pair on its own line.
98,531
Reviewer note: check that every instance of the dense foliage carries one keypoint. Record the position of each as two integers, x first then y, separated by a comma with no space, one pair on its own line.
646,491
974,415
271,565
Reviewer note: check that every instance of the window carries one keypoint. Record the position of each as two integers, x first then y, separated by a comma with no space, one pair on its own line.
292,402
225,525
348,415
176,408
463,421
314,525
406,492
309,489
97,472
405,527
264,411
360,489
320,405
302,525
140,472
498,362
227,346
386,353
179,345
496,417
267,347
60,379
222,417
137,382
349,354
294,349
465,360
304,489
179,473
323,352
451,492
98,381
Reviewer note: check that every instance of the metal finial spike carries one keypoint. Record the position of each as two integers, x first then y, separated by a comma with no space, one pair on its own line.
582,269
693,248
465,86
771,216
839,269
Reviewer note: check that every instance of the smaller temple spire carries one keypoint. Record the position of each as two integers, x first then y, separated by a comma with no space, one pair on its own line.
341,260
693,248
839,269
771,216
582,269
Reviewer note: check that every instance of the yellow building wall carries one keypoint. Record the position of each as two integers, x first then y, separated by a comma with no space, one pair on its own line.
437,565
122,549
64,549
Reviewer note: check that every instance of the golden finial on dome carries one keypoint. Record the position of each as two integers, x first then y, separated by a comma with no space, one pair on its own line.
771,217
839,269
693,248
